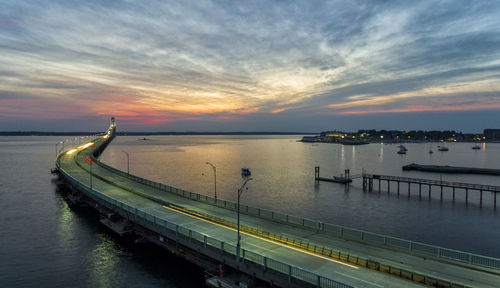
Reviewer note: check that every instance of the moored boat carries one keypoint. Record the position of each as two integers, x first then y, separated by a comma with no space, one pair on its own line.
245,172
402,149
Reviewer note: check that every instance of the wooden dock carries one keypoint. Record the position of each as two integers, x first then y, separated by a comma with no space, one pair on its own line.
368,185
451,169
337,179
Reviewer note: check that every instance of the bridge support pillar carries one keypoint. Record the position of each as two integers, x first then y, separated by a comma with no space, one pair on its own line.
398,188
430,191
453,194
441,192
419,190
388,186
466,196
409,184
495,200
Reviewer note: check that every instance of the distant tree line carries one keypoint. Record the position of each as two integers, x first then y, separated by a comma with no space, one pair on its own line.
396,135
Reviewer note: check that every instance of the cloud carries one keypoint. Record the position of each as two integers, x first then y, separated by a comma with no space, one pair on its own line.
196,60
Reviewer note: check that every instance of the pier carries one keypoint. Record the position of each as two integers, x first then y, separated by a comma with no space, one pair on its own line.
345,179
451,169
276,248
467,187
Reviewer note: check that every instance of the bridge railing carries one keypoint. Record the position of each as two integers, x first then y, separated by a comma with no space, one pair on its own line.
166,226
342,232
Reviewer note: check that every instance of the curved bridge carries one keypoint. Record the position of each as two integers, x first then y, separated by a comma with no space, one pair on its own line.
284,250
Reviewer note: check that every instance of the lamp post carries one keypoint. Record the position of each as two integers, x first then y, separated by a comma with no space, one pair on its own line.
128,162
238,241
215,179
90,162
91,174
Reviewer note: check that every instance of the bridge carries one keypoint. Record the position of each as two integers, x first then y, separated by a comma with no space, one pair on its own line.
282,250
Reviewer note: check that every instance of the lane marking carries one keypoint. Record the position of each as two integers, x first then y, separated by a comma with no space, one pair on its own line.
264,239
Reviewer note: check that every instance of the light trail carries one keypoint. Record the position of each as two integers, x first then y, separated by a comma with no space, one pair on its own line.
264,239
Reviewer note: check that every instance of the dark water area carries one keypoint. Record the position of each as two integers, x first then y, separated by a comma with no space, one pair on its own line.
46,243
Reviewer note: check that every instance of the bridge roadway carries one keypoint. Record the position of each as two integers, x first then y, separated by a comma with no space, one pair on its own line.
109,183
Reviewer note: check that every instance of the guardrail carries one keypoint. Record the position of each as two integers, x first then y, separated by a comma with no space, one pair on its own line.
347,233
204,240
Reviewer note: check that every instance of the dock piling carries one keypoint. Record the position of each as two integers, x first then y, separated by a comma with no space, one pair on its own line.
316,173
481,198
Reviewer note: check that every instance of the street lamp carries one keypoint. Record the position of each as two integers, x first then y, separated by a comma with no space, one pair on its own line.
215,179
91,174
128,162
238,242
90,162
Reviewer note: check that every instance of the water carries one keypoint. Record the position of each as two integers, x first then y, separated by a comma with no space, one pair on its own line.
43,242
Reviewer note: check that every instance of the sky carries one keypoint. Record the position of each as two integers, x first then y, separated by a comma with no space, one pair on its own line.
304,66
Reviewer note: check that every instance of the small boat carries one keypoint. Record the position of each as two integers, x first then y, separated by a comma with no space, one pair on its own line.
430,152
442,148
245,172
476,147
341,179
402,149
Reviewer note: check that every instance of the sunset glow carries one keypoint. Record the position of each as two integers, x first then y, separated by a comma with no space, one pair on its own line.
251,66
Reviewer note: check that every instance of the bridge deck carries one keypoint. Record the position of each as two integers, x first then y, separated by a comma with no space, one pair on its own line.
132,192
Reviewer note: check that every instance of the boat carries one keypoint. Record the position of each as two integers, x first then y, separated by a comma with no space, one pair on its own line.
476,147
341,179
245,172
402,149
430,151
442,148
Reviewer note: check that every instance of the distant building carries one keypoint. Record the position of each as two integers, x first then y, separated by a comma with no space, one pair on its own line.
491,134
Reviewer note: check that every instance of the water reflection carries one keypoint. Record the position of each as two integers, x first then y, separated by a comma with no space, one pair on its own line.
103,260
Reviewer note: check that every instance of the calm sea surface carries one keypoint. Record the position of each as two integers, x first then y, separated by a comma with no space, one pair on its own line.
44,242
